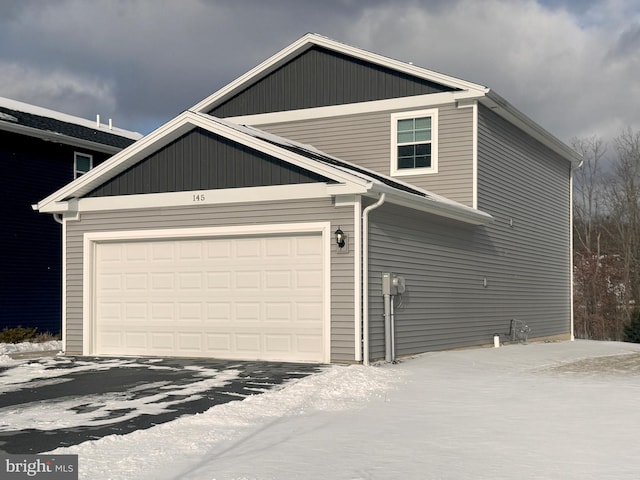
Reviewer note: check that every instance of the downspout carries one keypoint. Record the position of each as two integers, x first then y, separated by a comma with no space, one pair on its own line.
365,277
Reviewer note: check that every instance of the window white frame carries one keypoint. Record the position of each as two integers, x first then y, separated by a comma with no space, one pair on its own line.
77,172
395,117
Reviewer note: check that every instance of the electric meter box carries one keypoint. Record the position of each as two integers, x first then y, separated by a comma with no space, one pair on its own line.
392,284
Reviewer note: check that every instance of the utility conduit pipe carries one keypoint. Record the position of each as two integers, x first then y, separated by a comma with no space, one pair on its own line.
365,277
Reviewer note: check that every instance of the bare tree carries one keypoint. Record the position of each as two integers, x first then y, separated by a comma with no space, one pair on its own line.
606,236
588,192
591,300
623,193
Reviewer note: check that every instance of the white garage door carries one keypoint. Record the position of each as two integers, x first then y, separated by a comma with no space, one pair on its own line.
240,298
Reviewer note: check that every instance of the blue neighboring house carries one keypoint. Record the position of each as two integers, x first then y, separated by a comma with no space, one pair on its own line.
40,151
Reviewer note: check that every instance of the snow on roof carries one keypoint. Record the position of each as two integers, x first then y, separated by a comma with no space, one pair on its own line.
16,106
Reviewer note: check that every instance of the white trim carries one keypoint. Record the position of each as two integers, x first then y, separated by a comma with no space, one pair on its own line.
501,107
77,154
475,156
64,285
310,40
417,101
88,294
91,239
171,131
204,197
394,170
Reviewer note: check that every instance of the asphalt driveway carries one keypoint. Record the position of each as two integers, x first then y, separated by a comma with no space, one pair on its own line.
55,402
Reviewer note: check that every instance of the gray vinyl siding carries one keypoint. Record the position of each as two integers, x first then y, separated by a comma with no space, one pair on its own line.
342,265
443,262
521,180
527,265
319,77
200,160
365,139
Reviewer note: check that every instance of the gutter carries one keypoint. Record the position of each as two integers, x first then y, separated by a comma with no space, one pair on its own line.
365,277
441,207
503,108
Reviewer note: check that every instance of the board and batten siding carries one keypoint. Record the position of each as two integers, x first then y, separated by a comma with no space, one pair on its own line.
201,160
342,265
365,139
320,77
524,255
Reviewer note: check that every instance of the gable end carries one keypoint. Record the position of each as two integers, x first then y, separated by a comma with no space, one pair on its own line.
201,160
321,77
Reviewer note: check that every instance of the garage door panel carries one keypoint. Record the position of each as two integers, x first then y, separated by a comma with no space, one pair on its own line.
278,343
239,298
136,252
136,340
218,281
247,344
162,342
247,248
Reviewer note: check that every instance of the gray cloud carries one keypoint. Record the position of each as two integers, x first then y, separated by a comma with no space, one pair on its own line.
141,62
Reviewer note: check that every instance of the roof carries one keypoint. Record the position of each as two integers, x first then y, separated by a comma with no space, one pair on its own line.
59,127
465,91
350,179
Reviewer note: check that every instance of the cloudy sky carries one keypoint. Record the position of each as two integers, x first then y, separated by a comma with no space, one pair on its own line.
571,65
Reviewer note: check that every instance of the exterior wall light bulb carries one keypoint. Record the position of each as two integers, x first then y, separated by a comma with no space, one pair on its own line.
340,238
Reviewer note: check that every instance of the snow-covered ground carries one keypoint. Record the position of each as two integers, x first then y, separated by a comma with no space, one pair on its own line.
7,349
565,410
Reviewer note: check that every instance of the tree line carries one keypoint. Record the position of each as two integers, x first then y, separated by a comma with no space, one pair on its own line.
606,238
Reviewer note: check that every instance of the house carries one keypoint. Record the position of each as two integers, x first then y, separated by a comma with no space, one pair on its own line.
40,150
331,205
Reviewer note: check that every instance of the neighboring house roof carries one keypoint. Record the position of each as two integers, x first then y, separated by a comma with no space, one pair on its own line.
349,178
55,126
461,90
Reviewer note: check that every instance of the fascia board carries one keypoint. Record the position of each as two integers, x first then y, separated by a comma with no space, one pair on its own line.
443,209
55,137
310,40
171,131
227,196
121,161
265,67
52,207
396,64
506,110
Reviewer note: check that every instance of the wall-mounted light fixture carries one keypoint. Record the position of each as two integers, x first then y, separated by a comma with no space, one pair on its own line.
340,237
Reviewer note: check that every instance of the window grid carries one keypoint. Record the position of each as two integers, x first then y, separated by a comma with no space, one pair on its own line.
414,142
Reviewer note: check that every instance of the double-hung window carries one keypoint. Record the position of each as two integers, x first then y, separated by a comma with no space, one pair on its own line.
414,142
82,163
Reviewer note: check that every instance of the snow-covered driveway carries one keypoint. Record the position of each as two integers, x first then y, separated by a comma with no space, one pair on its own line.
565,411
51,402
